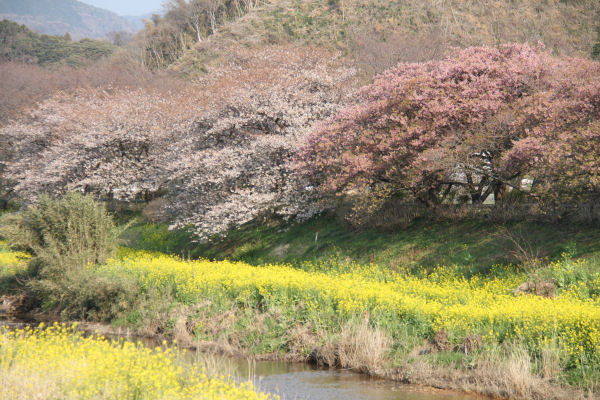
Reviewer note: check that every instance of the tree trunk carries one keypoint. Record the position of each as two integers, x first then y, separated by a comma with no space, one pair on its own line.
499,192
197,29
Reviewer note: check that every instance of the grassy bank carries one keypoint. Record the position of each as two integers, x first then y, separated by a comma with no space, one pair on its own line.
440,301
440,318
448,327
60,363
473,244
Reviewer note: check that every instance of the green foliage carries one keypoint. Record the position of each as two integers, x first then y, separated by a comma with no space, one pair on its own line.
447,358
68,233
472,246
86,295
8,205
19,43
158,237
580,276
67,237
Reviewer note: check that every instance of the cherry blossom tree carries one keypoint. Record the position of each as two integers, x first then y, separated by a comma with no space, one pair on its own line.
216,151
476,123
233,164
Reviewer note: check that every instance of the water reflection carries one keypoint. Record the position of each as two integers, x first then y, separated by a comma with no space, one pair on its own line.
294,381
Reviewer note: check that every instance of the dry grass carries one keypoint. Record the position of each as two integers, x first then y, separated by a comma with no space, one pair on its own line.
506,373
302,341
358,346
552,361
181,332
362,347
503,372
377,34
517,379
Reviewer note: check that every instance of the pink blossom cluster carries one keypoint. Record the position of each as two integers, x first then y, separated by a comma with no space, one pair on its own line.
474,124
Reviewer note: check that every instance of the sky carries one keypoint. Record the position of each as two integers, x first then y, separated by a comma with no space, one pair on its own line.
127,7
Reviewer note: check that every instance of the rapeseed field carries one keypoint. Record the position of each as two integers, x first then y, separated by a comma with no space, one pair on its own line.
225,302
59,362
438,301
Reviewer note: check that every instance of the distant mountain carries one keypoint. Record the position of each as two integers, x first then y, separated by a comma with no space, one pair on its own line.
56,17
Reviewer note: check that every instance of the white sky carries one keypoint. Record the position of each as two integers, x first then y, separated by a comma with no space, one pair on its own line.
127,7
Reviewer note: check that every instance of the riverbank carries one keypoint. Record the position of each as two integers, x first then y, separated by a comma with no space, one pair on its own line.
440,329
493,380
289,380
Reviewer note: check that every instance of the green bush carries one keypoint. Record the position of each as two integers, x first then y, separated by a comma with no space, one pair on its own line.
158,237
63,234
67,237
579,276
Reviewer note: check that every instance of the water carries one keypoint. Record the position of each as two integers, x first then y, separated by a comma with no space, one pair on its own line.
297,381
300,381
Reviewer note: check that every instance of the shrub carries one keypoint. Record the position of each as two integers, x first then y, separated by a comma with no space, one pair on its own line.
65,237
67,233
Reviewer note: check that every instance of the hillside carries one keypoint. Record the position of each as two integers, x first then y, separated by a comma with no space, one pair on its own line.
470,244
379,33
56,17
19,43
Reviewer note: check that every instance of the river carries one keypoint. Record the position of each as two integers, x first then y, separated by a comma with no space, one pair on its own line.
298,381
302,381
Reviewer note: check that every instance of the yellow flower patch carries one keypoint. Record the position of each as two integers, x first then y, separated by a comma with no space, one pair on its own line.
61,363
11,261
455,304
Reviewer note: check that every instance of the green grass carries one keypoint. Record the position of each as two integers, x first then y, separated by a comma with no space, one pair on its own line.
474,246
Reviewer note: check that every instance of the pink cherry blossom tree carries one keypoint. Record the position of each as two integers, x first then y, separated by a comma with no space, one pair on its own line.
475,123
